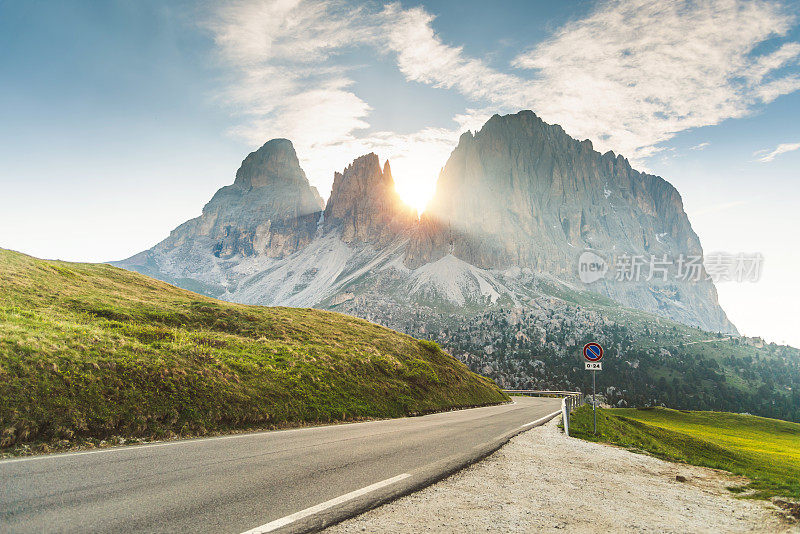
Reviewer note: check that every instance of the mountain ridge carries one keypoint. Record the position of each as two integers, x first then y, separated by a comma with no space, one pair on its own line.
521,192
521,321
516,203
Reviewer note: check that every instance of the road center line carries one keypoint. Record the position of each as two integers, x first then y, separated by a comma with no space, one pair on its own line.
302,514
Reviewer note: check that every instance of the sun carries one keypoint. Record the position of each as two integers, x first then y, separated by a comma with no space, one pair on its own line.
416,193
415,177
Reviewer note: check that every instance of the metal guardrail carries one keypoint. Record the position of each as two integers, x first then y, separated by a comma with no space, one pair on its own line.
569,400
542,392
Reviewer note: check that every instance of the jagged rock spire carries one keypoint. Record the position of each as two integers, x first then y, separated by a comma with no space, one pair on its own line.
364,204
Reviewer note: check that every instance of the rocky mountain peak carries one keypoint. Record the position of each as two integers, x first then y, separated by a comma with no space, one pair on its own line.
269,210
364,204
531,194
521,192
387,172
274,163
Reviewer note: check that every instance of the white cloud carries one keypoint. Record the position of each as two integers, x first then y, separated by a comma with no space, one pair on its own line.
764,65
771,90
276,51
251,32
423,57
286,82
634,73
701,146
629,76
769,155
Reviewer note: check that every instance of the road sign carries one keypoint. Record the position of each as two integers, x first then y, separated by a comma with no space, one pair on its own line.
593,352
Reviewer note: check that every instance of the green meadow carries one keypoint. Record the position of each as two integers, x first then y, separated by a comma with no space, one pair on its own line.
767,451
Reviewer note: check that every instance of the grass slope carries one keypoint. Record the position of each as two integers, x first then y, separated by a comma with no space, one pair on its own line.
767,451
91,352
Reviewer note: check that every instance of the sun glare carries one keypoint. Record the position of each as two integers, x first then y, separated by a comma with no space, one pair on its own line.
415,178
416,192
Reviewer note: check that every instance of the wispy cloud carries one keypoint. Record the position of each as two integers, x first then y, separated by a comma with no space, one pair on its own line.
423,57
768,155
287,81
657,68
277,51
701,146
629,76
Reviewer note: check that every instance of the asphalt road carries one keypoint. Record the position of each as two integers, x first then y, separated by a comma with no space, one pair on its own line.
265,481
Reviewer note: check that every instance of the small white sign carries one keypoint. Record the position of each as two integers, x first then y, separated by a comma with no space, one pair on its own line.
594,366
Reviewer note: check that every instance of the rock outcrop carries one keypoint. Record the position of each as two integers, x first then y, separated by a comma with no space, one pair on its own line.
270,209
364,205
521,192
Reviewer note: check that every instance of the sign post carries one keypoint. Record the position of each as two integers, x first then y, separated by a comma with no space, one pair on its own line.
593,353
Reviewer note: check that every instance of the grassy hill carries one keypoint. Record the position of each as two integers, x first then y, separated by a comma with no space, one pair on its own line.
91,352
767,451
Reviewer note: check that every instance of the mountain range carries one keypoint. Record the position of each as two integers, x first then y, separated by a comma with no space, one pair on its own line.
490,270
515,206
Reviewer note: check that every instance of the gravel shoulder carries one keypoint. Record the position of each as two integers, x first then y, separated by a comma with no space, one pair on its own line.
543,481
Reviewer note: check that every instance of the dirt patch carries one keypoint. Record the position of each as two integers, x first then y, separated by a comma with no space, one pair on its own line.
543,481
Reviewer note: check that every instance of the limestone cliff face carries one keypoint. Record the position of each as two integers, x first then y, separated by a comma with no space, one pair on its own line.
269,210
364,205
521,192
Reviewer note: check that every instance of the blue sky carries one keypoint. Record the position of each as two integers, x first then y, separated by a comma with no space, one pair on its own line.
121,119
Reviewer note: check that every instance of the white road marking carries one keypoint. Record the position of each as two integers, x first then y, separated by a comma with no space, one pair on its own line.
302,514
532,423
526,425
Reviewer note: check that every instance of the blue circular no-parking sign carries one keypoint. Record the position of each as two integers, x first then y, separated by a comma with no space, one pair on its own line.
593,352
